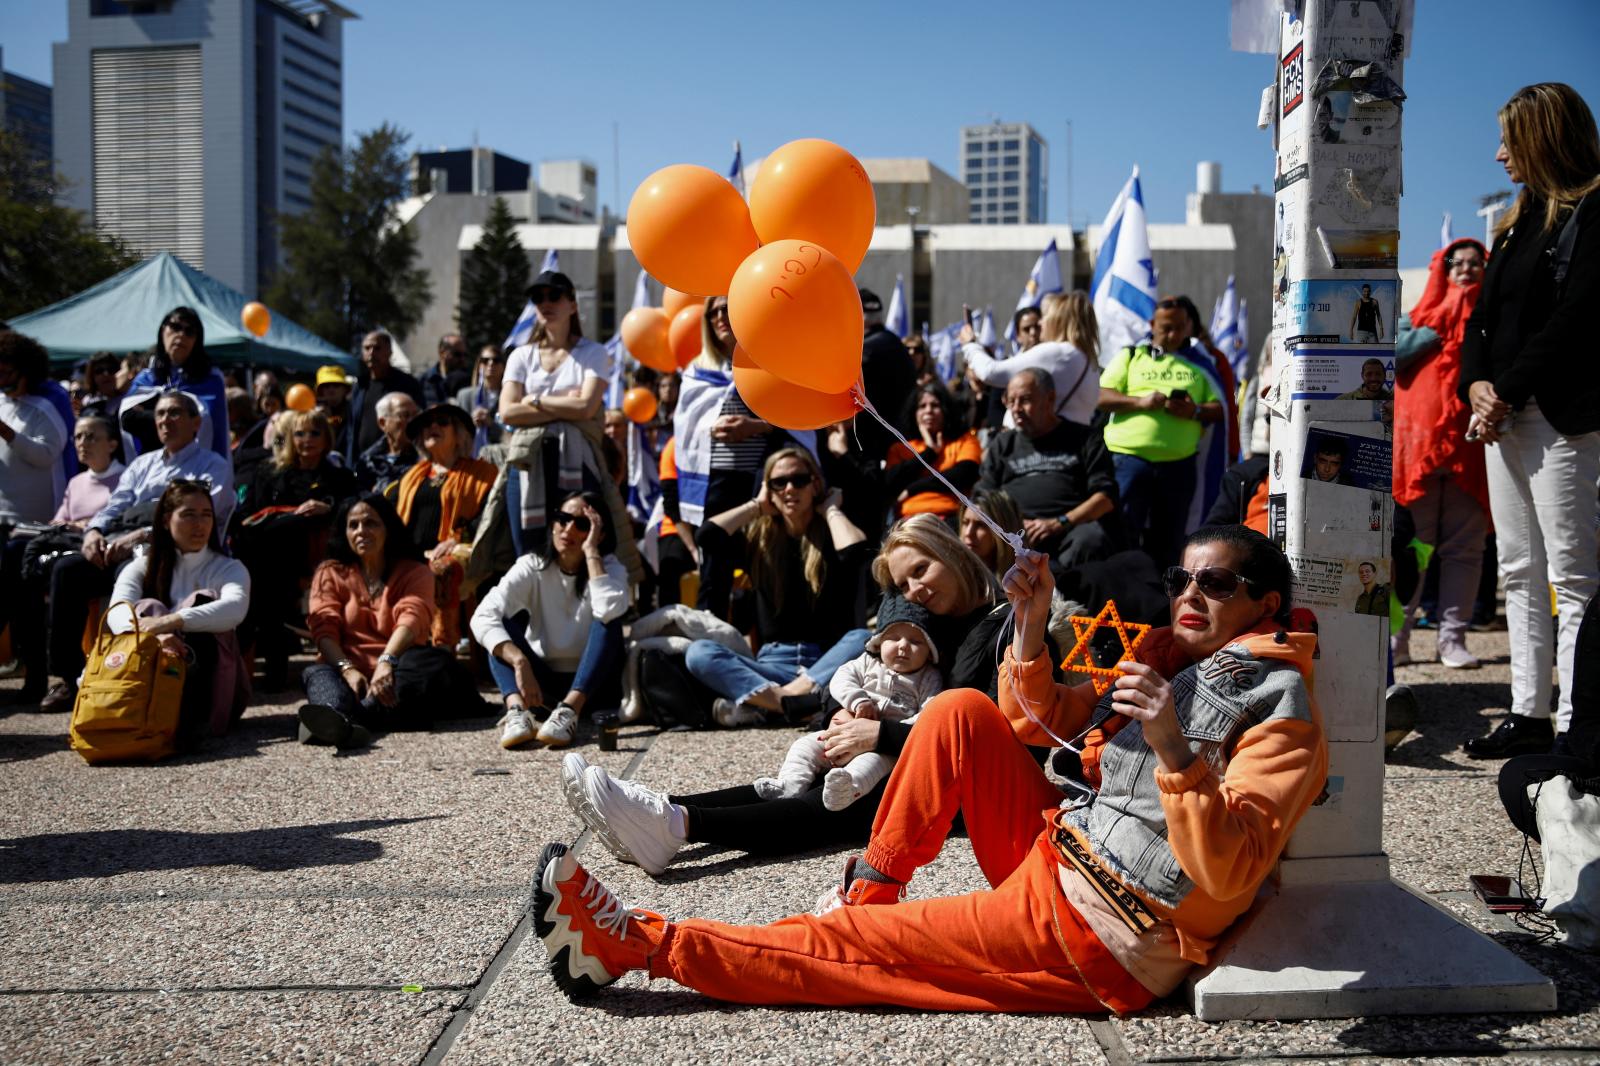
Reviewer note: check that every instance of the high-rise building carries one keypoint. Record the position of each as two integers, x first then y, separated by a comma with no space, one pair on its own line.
1006,167
25,112
189,125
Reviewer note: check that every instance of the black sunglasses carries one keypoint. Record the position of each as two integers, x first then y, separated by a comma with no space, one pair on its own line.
1216,582
798,481
548,296
178,325
562,518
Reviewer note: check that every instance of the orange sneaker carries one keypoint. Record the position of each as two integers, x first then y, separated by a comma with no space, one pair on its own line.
590,937
858,891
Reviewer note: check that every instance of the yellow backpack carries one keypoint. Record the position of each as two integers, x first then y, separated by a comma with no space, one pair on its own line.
128,702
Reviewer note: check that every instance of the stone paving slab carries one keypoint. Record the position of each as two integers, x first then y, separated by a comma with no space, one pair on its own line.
185,944
226,1028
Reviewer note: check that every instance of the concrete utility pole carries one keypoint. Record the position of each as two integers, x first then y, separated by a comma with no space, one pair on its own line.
1336,937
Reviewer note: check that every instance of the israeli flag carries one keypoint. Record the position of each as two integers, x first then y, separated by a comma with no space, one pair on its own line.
616,355
522,332
736,171
1124,288
942,348
1447,235
1226,329
898,320
1044,277
986,334
552,261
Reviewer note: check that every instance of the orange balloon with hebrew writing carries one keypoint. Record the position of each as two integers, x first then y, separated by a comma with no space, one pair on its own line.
644,334
795,309
683,334
785,404
639,404
673,301
813,190
690,228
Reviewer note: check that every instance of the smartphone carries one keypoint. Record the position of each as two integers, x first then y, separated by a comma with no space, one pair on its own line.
1503,895
1178,394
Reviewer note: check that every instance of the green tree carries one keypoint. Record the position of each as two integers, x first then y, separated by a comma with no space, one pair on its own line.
47,252
494,281
348,263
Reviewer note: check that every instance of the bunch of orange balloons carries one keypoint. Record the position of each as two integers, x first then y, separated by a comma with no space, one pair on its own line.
786,261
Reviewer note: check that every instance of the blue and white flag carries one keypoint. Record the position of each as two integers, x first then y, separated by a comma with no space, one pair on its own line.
552,261
617,355
898,320
1044,277
942,349
1227,330
1124,287
736,171
522,332
986,334
1447,235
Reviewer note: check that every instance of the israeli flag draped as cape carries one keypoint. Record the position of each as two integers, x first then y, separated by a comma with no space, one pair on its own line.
1212,457
1124,287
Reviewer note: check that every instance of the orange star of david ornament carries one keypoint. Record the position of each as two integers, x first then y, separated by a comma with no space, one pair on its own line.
1081,659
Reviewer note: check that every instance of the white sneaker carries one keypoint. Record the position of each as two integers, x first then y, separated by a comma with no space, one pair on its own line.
559,729
573,766
1457,657
730,715
633,822
516,727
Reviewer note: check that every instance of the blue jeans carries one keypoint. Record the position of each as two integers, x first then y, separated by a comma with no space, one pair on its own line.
598,672
1155,503
738,677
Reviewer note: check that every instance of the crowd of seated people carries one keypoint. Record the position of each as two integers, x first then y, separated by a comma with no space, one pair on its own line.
494,515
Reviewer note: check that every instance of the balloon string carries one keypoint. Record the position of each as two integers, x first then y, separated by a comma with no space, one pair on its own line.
1014,539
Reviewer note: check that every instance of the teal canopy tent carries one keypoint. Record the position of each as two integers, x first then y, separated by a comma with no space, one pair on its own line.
122,314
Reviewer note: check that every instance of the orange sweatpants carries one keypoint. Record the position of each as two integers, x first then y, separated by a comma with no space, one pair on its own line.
1017,947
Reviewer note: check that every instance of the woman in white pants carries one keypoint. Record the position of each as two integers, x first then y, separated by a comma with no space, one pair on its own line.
1527,373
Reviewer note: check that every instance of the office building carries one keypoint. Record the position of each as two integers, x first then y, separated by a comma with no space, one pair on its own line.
25,113
189,125
1006,167
468,170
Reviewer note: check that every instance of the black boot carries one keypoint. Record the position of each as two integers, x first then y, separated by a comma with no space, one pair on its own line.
798,710
1515,735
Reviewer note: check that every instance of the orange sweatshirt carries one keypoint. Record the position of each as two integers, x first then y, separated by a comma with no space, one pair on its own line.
1225,831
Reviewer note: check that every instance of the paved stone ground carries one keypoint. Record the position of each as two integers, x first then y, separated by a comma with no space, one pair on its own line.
266,901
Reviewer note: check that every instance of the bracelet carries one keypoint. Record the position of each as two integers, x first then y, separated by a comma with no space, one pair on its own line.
392,660
342,665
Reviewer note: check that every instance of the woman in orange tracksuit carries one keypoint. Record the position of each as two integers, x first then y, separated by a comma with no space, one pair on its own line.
1196,766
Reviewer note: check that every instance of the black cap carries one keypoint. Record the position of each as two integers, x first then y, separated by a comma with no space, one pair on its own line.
870,304
439,412
552,279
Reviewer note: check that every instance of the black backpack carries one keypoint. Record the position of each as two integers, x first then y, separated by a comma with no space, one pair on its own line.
673,697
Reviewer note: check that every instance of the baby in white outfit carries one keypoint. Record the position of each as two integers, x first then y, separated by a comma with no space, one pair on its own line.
890,681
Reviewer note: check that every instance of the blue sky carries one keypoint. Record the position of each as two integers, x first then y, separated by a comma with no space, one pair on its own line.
1151,83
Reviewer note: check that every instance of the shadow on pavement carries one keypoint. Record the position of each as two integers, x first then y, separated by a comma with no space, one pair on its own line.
105,853
1448,715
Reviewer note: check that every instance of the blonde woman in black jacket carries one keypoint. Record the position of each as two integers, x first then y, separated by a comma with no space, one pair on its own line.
1527,372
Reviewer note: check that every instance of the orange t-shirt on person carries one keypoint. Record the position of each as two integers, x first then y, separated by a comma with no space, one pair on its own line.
963,449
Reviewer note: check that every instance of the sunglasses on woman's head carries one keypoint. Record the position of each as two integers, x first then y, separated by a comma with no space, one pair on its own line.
562,518
1216,582
798,481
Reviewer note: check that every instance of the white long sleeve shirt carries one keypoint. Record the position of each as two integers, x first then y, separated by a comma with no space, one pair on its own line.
204,569
1077,383
31,476
558,617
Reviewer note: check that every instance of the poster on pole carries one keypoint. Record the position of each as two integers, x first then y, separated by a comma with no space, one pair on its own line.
1326,311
